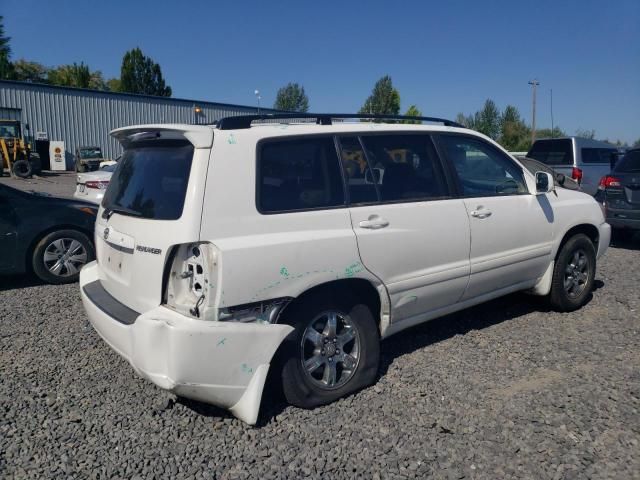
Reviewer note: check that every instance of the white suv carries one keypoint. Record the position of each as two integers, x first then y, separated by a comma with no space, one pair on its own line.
219,245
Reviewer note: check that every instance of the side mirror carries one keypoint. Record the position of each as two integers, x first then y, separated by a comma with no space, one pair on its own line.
544,183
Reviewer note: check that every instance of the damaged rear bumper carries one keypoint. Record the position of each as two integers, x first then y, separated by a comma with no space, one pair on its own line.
222,363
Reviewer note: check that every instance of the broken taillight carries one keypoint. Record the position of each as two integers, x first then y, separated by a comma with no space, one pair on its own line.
190,280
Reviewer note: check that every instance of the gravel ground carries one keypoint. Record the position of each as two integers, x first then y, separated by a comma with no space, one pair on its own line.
504,390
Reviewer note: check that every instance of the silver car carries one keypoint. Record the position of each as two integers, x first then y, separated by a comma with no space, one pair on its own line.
581,159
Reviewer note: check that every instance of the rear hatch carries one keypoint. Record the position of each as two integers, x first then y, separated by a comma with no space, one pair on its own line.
153,203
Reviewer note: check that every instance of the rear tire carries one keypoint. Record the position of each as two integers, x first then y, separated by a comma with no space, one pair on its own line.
573,274
22,168
320,363
58,257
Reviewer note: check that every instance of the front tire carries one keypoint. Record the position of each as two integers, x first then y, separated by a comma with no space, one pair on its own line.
573,274
59,256
333,351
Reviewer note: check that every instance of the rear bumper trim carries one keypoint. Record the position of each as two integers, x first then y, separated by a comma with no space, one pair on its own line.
109,305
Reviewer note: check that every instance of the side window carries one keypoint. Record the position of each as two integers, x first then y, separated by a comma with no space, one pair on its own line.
482,169
405,166
597,155
299,174
360,179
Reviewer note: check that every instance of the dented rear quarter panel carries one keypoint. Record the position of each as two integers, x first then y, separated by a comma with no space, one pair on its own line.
294,251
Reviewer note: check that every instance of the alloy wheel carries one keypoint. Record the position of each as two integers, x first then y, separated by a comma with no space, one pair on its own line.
576,273
330,350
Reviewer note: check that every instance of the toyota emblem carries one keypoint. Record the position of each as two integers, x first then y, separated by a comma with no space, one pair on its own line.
106,233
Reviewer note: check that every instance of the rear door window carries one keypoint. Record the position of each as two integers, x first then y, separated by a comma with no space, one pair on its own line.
151,180
299,174
361,179
405,167
483,171
552,151
598,155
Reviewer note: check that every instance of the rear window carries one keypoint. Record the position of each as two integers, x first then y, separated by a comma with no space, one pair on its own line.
300,174
598,155
552,152
629,163
151,180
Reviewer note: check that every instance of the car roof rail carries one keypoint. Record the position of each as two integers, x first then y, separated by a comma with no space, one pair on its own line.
245,121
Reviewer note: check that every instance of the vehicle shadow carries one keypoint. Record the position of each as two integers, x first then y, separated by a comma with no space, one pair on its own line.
13,282
479,317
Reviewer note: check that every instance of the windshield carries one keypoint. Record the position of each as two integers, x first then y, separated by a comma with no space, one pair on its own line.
90,153
552,151
151,180
629,163
9,131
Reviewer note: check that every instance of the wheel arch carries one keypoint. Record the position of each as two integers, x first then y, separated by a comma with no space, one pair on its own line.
376,298
587,229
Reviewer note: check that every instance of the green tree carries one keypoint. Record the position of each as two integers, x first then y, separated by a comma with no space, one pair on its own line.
586,133
140,74
292,98
384,99
26,71
6,68
548,133
488,119
412,111
514,133
636,143
97,82
113,85
70,75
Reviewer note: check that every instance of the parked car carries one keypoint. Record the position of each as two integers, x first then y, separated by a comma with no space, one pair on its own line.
219,246
108,163
619,193
88,158
91,186
581,159
48,236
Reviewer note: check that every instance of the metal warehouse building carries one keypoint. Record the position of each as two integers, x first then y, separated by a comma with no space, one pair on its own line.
85,117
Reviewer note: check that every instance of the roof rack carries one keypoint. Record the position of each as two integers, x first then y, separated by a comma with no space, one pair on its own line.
244,121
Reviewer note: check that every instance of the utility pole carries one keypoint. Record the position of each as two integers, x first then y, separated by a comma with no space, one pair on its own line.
552,130
534,83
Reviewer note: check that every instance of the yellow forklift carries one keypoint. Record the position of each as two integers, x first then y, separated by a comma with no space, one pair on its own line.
16,154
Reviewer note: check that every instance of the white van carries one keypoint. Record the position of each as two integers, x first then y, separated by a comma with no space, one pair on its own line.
218,246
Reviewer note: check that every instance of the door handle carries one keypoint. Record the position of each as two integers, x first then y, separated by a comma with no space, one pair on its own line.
374,222
481,213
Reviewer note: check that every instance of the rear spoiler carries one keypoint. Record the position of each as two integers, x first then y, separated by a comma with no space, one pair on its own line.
198,136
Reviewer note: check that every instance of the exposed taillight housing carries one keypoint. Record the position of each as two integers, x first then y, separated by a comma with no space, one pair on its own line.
97,184
190,280
609,181
576,174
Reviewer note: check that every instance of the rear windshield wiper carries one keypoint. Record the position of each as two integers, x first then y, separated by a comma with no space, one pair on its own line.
108,211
